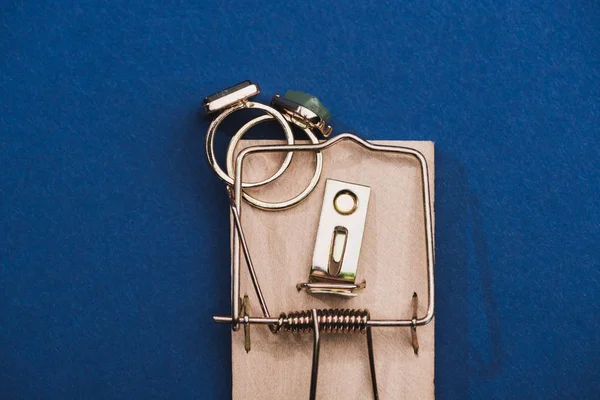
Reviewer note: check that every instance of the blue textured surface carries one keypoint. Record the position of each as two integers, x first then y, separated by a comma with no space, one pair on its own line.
113,251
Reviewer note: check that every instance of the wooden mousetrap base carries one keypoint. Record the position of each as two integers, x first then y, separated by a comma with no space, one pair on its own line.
392,261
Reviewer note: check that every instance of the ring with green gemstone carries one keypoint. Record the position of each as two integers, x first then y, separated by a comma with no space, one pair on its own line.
303,110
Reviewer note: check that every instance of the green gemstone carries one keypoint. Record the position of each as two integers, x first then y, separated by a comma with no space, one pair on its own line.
308,101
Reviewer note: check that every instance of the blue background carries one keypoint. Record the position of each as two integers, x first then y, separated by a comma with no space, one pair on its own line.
113,248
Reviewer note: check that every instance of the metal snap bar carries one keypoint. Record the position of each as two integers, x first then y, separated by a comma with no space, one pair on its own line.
233,99
266,205
235,320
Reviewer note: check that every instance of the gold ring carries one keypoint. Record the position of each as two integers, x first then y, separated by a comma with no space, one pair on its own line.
210,140
266,205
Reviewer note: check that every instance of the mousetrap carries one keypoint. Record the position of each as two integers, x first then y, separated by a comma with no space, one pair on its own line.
332,257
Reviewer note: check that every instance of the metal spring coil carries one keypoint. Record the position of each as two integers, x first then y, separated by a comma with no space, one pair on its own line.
330,321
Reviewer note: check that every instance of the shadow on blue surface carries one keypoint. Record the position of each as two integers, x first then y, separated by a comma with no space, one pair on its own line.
460,245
